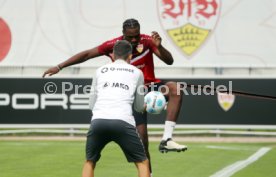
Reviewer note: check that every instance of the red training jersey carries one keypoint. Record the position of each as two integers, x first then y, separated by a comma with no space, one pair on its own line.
142,56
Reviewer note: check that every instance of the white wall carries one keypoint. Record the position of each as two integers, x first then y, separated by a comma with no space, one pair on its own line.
44,33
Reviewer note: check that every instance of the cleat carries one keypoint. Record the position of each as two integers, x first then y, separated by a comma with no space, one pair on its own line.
169,145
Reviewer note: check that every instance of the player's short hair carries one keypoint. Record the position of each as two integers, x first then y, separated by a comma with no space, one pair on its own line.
122,49
131,23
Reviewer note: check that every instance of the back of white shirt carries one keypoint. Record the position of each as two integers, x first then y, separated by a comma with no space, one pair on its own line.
114,89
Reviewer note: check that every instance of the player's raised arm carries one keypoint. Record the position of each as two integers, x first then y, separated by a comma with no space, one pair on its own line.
161,51
78,58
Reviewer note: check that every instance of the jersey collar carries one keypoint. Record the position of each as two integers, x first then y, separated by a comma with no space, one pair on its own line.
120,61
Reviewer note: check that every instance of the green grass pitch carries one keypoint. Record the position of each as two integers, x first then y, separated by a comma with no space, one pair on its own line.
65,158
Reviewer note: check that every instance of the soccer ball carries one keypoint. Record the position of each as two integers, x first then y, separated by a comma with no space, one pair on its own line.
155,102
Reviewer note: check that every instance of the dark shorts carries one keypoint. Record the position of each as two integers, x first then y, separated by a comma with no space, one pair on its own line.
141,118
103,131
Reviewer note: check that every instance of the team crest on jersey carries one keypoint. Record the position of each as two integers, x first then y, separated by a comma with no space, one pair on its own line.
140,48
226,101
188,23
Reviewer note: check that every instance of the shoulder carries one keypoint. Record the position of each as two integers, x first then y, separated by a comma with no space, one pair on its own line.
110,43
145,38
114,40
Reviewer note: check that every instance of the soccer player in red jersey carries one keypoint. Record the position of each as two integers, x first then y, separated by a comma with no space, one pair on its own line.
144,46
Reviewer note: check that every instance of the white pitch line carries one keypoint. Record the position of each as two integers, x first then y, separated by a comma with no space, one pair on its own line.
231,169
228,148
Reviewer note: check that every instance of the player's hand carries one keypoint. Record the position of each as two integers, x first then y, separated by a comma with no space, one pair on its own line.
156,39
51,71
145,108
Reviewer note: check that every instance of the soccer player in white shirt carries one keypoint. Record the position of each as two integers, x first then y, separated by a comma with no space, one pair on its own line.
115,88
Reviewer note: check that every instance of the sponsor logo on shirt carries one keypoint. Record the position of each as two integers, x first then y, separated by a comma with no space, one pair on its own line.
106,85
122,69
120,85
105,69
116,85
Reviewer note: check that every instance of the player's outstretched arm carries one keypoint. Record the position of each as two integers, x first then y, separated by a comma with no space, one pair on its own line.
162,52
78,58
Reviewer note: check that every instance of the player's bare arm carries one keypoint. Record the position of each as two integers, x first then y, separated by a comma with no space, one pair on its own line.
162,52
78,58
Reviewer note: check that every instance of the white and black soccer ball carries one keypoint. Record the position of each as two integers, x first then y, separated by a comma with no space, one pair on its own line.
155,102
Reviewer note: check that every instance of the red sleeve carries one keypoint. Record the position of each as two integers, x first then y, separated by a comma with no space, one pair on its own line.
149,42
152,46
106,48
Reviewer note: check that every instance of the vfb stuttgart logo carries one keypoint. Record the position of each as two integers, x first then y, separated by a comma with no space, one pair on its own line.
188,22
226,101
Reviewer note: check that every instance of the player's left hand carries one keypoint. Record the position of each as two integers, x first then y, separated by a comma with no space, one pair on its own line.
145,108
156,39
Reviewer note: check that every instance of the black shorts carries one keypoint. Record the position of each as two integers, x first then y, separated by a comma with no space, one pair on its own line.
103,131
141,118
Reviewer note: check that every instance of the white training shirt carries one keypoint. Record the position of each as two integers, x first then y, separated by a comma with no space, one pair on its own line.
115,88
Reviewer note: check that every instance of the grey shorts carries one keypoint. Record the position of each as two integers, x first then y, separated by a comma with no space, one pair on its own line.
103,131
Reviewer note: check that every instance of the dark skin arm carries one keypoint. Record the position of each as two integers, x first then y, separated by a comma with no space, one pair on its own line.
81,57
162,52
76,59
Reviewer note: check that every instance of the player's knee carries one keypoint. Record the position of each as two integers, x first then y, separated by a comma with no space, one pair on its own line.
144,163
173,89
142,130
145,143
90,163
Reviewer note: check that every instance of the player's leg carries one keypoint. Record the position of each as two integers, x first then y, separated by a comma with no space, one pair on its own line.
95,142
173,108
174,101
141,125
143,133
88,169
143,168
127,137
